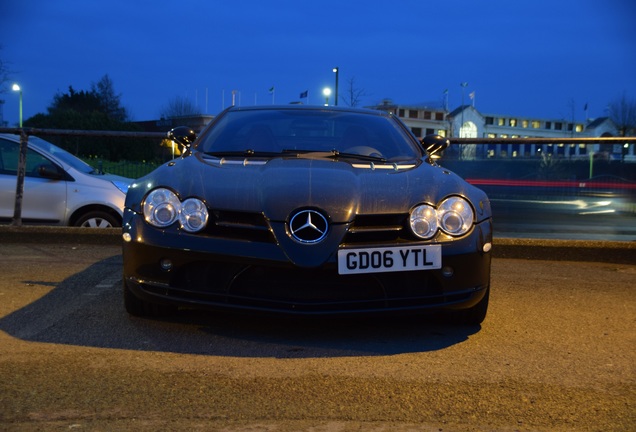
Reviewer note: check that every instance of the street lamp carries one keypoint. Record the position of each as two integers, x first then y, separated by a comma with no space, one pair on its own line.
335,70
18,89
326,92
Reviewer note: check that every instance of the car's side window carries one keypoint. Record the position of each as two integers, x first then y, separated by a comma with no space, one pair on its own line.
10,154
8,157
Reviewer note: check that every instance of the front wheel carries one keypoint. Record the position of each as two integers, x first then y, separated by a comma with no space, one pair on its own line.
97,219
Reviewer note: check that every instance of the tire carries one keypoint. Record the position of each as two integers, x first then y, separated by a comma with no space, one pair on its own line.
476,314
141,308
97,219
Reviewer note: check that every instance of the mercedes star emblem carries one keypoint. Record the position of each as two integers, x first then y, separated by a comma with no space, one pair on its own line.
308,226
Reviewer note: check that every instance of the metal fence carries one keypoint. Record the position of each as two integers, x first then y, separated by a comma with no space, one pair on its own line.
540,170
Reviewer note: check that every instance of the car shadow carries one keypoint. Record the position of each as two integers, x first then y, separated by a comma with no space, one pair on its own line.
86,309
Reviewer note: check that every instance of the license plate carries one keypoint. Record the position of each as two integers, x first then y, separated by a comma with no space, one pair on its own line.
389,259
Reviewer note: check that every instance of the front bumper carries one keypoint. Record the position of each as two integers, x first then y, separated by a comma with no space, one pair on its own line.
193,271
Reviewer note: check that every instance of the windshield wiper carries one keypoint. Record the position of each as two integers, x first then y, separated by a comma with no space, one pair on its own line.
313,154
242,153
336,154
333,154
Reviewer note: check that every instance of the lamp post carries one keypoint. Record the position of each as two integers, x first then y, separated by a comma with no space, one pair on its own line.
18,89
326,92
335,70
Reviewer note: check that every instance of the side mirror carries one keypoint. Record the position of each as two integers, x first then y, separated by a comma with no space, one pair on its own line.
435,144
183,136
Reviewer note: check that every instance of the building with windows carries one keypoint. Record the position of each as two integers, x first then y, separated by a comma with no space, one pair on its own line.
467,122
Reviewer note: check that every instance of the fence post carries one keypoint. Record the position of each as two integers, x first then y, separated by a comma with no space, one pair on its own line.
19,186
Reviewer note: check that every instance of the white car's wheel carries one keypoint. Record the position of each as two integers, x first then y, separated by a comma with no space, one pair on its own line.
97,219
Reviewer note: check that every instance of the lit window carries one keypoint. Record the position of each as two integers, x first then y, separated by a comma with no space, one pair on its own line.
579,128
572,149
561,149
501,122
524,123
536,124
512,122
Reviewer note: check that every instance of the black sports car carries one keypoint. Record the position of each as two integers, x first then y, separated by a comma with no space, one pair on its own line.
306,210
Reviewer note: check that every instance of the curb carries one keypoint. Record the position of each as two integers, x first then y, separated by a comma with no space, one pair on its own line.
65,235
616,252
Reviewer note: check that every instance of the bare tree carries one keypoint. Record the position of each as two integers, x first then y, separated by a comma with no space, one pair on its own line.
177,107
353,94
623,113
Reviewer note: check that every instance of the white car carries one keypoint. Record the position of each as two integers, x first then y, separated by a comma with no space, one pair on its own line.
59,188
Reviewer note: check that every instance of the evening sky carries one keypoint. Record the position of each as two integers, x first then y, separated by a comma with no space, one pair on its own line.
541,58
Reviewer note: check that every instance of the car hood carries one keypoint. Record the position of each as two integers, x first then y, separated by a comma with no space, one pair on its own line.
276,187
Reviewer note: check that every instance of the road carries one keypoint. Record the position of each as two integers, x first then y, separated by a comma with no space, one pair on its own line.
574,218
556,353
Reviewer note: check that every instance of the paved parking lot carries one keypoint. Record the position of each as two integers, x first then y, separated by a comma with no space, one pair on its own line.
557,352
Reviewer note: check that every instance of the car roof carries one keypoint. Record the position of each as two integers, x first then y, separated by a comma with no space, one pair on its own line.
298,107
37,142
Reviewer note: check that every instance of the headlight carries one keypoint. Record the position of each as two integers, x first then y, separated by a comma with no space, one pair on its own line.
423,221
193,215
454,216
162,208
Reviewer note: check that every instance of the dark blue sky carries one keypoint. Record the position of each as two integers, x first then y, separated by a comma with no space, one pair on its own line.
541,58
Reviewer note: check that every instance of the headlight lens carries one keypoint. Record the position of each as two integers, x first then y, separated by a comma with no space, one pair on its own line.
454,216
423,221
162,208
193,215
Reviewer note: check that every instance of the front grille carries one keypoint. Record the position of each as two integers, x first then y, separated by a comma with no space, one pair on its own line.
239,226
254,227
378,229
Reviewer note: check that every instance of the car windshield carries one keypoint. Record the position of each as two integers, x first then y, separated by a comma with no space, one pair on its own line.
61,154
308,133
